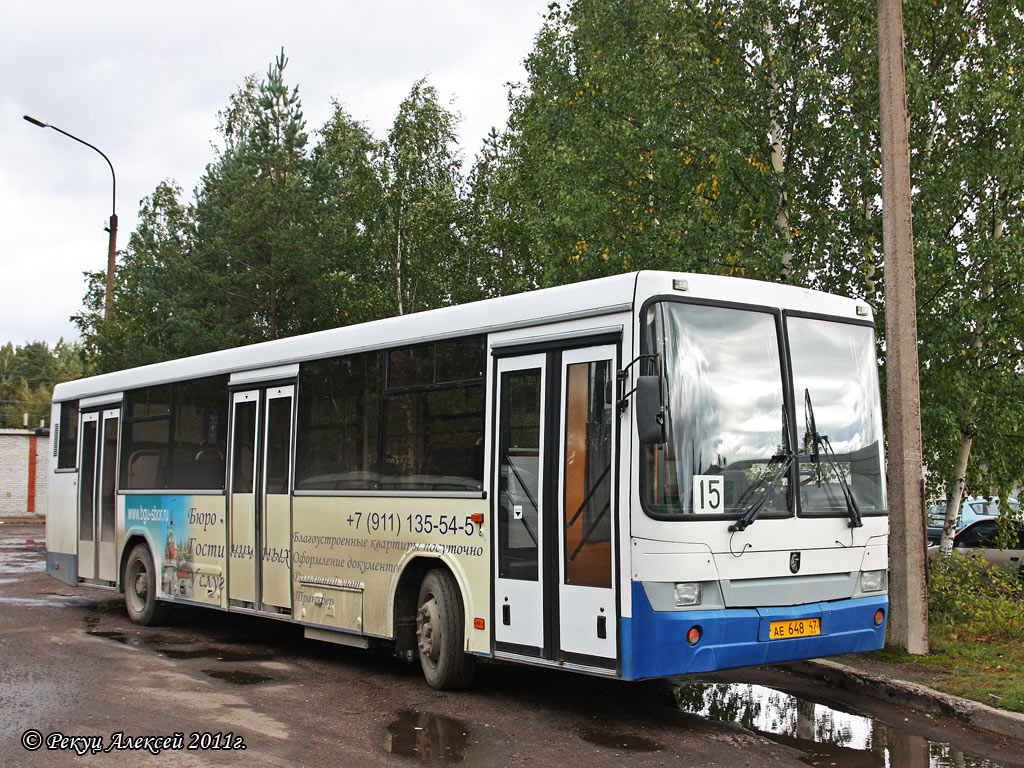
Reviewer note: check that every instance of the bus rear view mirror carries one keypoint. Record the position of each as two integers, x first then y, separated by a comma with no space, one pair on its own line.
650,415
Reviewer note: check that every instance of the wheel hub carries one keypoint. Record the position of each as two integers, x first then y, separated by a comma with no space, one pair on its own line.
141,584
425,619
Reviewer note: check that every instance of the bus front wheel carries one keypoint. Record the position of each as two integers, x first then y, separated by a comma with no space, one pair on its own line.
440,625
140,596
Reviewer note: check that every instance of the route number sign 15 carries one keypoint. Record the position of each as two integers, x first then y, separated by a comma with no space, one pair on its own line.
708,494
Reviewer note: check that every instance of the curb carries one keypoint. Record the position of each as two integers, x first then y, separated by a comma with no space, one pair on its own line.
920,697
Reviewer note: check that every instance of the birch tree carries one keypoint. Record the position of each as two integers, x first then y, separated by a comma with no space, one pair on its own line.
418,232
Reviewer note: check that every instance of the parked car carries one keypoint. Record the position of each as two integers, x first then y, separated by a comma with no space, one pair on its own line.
979,540
973,508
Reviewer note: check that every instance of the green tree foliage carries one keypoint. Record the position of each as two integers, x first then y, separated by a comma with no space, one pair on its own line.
149,318
976,599
286,238
742,138
27,376
347,170
724,136
966,93
243,263
497,233
254,264
421,260
691,135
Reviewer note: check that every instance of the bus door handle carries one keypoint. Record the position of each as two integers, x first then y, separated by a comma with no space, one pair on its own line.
506,615
602,627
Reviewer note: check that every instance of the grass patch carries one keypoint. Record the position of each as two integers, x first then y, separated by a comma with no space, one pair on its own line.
976,633
988,672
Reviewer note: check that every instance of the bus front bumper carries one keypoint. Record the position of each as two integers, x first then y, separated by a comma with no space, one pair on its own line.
654,643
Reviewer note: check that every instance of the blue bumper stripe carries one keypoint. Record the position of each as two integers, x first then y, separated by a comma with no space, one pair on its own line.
62,566
654,642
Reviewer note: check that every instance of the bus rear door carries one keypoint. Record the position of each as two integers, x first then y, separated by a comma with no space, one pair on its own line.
97,495
259,530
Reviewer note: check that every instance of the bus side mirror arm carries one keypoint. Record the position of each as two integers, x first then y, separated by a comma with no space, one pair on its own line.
624,401
623,374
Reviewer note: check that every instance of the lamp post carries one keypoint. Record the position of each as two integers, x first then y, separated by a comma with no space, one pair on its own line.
112,229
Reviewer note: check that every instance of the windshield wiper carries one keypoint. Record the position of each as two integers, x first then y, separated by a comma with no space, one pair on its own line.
852,510
755,509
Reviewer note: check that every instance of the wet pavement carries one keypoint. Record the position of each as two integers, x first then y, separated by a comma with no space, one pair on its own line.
71,663
830,733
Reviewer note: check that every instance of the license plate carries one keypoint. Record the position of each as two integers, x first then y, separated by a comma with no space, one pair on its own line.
780,630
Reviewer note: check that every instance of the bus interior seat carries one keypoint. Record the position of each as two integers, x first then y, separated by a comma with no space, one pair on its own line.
144,467
208,466
449,463
244,455
736,484
826,496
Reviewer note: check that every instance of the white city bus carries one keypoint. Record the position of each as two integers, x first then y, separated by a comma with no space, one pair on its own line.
644,475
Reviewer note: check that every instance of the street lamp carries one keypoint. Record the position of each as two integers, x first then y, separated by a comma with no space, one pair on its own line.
112,229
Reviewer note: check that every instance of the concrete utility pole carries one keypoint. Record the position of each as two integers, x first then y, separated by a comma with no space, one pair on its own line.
111,228
908,602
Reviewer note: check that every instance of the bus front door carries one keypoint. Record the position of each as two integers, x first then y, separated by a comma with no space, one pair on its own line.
519,599
554,595
97,495
259,570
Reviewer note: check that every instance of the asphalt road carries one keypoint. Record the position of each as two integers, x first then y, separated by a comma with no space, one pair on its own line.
72,664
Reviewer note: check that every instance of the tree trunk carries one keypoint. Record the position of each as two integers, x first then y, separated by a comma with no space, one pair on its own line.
868,254
778,164
955,497
398,255
963,453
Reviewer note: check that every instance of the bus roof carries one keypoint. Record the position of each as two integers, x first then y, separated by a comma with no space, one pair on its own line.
591,298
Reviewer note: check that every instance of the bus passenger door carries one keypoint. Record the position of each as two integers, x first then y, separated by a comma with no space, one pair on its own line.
587,619
519,534
276,530
97,496
242,547
259,531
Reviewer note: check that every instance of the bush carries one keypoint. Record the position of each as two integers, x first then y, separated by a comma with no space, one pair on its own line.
976,599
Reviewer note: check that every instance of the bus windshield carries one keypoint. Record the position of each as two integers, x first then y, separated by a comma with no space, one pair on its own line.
727,417
838,416
724,412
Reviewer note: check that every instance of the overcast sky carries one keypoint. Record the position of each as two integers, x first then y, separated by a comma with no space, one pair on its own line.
144,82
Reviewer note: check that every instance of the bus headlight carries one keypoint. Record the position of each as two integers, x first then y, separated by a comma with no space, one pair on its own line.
687,593
872,581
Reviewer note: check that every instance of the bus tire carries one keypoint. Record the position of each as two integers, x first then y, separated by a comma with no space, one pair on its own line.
140,595
440,626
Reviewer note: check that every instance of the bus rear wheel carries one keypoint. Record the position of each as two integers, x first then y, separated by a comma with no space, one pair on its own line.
440,625
140,596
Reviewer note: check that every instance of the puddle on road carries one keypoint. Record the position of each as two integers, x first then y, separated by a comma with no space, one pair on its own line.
175,648
237,677
118,637
427,738
20,562
35,602
622,741
21,557
826,736
219,654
